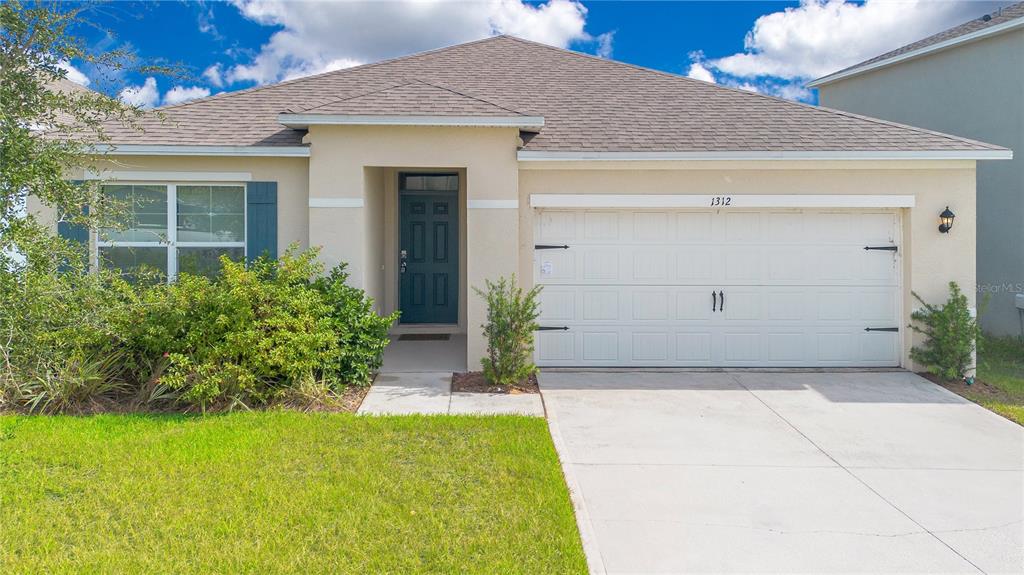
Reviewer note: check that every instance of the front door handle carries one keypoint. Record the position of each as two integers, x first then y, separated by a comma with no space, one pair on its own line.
721,300
714,300
402,255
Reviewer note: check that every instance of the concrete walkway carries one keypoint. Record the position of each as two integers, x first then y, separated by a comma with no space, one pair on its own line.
786,472
430,393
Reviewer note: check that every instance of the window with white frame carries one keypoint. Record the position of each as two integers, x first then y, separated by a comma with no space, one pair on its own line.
174,228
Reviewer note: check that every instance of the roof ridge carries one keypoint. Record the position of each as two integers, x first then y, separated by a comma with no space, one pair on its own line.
222,95
820,109
360,95
470,96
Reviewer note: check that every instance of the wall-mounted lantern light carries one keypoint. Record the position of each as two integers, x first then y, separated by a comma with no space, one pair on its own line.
946,217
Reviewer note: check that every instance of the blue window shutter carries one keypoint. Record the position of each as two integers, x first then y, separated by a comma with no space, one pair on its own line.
261,220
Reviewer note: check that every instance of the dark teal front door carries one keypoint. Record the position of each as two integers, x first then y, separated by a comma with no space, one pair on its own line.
429,257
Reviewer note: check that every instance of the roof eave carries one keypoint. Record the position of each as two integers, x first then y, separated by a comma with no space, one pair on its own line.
971,37
828,155
201,150
302,121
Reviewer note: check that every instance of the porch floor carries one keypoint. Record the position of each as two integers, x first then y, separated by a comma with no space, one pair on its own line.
420,356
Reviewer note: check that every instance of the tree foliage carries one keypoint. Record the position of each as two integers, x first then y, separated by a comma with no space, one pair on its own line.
50,128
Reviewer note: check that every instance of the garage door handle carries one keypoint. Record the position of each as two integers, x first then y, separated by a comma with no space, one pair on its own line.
550,247
882,329
553,328
714,300
721,300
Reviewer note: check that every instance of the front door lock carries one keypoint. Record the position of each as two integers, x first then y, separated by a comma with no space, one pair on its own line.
403,255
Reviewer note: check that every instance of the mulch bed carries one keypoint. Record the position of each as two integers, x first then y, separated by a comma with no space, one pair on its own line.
978,389
475,382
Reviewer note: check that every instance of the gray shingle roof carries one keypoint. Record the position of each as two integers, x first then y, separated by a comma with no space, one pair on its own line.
588,103
1001,16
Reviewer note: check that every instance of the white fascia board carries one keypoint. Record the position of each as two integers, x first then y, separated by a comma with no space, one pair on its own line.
538,156
991,31
724,202
172,150
143,176
305,120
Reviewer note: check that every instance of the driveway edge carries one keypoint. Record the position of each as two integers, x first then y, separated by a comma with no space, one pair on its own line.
587,537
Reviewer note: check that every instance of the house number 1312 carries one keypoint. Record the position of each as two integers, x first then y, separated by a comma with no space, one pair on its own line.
720,201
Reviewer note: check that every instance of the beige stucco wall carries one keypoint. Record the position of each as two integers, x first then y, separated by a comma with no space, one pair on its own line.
975,90
362,163
930,259
337,171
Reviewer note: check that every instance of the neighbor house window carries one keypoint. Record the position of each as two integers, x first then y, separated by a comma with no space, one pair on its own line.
174,228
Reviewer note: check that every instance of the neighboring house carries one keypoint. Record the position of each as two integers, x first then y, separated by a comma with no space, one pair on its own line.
672,222
968,80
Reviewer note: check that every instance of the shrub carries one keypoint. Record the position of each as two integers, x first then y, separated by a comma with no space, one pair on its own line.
59,346
952,335
73,341
362,334
252,332
511,320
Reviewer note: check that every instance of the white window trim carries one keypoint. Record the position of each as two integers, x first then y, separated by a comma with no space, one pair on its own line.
171,243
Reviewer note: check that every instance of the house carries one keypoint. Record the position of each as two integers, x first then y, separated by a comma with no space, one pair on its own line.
968,80
672,222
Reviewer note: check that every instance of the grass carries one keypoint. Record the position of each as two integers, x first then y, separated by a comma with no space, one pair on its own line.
1001,365
283,492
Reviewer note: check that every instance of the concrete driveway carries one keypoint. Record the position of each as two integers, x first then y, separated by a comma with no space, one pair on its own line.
786,472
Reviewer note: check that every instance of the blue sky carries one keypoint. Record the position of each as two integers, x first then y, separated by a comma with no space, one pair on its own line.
771,47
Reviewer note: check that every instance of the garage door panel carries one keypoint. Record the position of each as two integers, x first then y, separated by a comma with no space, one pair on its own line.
694,304
651,305
634,288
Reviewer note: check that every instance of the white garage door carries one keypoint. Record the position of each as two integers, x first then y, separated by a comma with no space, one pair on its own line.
717,288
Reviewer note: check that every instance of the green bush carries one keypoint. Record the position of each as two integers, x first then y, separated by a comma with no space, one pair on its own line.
952,335
511,320
60,348
243,338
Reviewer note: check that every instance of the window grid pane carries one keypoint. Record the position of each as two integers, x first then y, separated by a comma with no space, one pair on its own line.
146,217
214,214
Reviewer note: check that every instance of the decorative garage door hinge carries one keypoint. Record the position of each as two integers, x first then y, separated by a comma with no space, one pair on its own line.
882,248
553,328
550,247
881,329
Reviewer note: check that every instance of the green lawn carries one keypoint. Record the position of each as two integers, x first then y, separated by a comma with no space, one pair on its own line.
283,492
1001,365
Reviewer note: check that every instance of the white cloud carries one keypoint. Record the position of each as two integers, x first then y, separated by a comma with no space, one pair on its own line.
214,75
179,94
145,96
321,36
699,72
74,74
604,44
823,36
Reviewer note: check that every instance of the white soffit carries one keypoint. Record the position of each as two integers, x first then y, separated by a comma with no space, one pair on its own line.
173,150
538,156
719,201
144,176
305,120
